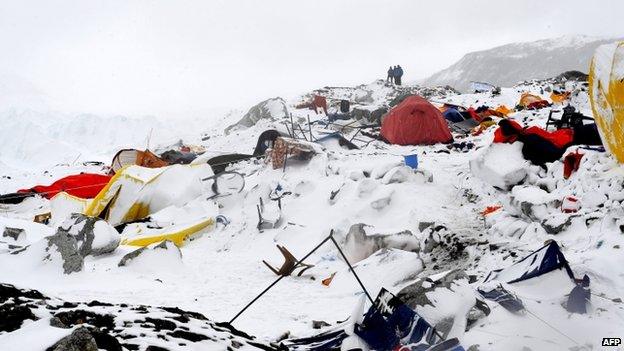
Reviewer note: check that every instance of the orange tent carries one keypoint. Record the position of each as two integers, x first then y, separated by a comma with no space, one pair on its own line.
559,97
504,110
526,99
135,157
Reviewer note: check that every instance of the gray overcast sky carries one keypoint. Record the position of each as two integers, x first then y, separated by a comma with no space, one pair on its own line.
174,58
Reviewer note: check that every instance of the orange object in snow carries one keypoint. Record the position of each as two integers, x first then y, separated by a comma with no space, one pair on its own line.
490,209
328,281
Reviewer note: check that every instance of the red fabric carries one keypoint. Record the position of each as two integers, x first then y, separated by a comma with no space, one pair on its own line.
473,113
415,122
500,137
560,138
538,104
319,102
84,185
571,163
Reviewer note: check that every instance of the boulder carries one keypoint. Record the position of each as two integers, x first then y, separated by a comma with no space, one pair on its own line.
271,109
79,340
94,235
67,246
160,252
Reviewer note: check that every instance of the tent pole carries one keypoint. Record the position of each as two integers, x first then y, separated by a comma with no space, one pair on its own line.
278,279
331,236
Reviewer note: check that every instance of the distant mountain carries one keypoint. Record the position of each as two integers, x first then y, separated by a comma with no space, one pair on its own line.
508,64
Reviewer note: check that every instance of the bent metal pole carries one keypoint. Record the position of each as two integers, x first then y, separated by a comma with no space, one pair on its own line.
329,237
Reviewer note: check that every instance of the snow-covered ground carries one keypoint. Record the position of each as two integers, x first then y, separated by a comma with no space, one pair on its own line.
221,271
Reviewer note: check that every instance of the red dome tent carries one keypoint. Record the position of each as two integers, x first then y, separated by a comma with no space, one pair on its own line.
415,122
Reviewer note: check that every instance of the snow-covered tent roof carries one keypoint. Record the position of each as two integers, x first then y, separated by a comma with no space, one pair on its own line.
136,192
542,261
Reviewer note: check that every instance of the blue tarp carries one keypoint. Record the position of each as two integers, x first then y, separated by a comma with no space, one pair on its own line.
542,261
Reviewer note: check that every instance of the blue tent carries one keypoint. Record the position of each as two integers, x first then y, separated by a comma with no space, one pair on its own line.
390,322
452,115
542,261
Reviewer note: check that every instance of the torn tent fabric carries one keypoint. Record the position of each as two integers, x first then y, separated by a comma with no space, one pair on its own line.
390,323
83,185
136,192
561,138
542,261
503,297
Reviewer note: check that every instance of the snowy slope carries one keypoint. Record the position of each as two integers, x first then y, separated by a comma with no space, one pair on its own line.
438,210
508,64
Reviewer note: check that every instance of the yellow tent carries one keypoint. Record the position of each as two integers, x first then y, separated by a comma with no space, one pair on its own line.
136,192
504,110
606,92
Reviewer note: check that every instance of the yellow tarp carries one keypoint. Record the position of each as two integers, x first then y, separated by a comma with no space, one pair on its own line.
177,234
606,92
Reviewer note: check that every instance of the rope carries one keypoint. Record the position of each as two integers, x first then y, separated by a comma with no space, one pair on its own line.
551,326
25,195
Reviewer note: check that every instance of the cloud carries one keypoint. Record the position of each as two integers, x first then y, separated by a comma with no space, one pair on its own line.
170,58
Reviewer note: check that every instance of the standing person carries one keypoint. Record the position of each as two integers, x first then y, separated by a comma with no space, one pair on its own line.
390,75
398,73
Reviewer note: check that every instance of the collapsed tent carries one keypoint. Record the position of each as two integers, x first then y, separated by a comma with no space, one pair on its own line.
528,99
606,92
547,259
135,192
83,185
127,157
415,121
389,324
559,97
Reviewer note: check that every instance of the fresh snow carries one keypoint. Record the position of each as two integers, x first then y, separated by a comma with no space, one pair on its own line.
220,271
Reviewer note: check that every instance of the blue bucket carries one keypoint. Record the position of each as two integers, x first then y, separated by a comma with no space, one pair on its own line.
411,161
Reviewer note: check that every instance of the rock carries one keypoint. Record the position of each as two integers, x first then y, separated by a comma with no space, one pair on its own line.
165,245
57,323
377,115
94,235
13,233
12,316
444,326
415,294
359,245
67,246
270,109
79,340
424,225
319,324
532,202
557,223
130,256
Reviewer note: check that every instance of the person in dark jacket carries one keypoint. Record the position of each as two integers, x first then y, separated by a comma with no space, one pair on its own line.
390,75
398,73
